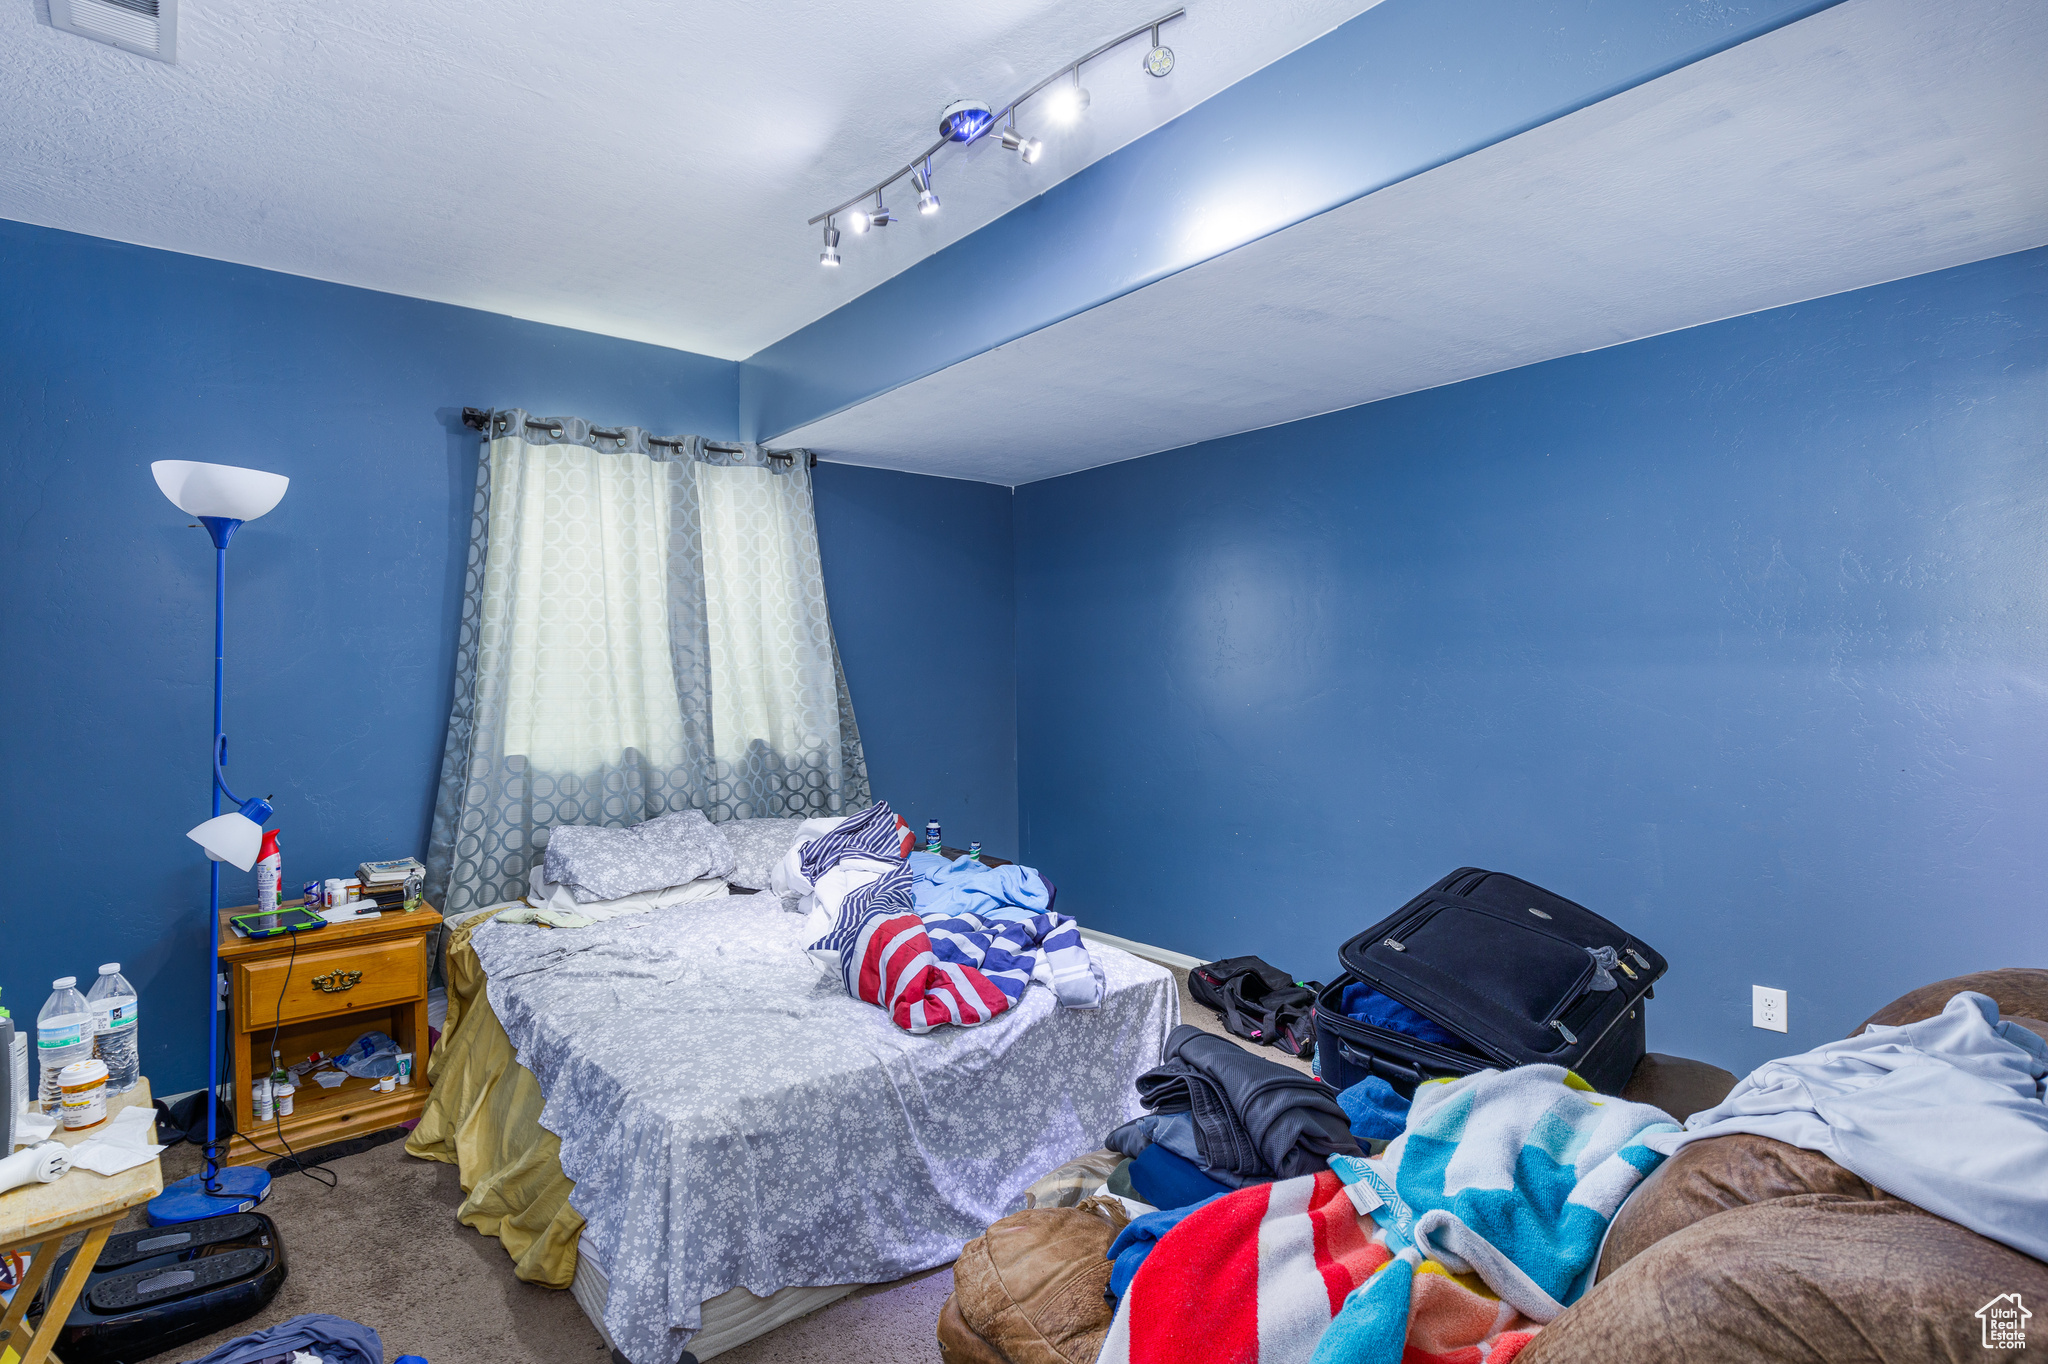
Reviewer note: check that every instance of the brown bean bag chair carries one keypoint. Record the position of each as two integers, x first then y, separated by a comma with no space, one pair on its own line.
1030,1289
1678,1086
1742,1248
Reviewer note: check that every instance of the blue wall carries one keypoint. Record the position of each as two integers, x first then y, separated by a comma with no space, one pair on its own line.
1738,635
920,575
342,603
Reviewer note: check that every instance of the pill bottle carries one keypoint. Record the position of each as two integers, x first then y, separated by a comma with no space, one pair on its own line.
83,1085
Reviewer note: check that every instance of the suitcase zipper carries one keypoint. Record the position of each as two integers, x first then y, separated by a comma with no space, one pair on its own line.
1570,1039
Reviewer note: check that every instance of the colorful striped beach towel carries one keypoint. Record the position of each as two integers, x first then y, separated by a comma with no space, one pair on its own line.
1478,1224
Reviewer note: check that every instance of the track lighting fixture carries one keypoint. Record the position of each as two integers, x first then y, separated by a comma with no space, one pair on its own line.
1027,148
860,220
968,120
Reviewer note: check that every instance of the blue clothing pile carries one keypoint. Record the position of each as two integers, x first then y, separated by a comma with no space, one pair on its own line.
330,1339
1377,1111
1368,1005
965,886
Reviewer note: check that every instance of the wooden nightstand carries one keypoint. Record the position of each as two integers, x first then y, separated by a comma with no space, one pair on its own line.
320,991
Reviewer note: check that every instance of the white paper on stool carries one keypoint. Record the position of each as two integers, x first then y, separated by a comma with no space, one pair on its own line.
33,1127
128,1141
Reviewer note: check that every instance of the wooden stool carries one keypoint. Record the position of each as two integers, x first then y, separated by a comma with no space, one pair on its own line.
38,1217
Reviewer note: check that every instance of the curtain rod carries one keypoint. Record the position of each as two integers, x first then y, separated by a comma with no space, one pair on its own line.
479,419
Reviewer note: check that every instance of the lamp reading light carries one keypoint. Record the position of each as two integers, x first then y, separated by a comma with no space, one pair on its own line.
234,838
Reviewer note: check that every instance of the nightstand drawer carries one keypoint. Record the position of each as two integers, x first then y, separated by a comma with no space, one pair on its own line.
327,983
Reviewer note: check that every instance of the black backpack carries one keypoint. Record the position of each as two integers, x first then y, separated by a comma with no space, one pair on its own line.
1259,1003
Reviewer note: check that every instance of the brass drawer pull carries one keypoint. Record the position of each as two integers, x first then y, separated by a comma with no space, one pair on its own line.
337,982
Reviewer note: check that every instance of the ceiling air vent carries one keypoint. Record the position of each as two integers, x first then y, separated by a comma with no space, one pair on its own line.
148,28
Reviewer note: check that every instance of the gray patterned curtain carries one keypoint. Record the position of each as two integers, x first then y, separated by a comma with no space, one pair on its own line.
644,630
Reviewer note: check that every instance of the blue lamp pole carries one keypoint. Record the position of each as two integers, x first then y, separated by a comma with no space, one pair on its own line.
223,498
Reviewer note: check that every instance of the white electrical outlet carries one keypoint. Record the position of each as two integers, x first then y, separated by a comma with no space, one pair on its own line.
1767,1008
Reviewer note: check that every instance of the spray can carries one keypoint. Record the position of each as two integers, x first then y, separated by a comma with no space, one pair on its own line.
974,852
931,836
269,873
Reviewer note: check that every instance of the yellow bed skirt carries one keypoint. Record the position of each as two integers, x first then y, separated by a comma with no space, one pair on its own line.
483,1117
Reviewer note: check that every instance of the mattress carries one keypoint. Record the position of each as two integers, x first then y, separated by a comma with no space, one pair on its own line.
733,1121
730,1320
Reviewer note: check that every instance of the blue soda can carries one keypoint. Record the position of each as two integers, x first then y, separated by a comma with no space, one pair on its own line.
931,835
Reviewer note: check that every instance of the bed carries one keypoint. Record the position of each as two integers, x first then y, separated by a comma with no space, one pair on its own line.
680,1118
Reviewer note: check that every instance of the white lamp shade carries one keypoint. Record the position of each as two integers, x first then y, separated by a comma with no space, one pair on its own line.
233,837
219,490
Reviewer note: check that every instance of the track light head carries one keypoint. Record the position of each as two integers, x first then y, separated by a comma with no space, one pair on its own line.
1159,61
860,220
964,120
830,255
1027,148
921,180
1068,102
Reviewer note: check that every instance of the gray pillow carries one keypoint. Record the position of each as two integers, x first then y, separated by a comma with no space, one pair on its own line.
757,845
605,864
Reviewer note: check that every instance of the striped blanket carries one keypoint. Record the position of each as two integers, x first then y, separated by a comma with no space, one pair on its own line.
926,970
1481,1220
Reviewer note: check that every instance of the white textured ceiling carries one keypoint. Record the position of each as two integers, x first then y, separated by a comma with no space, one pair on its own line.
639,168
1875,140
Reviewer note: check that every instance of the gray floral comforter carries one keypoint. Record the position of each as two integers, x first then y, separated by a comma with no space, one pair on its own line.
732,1118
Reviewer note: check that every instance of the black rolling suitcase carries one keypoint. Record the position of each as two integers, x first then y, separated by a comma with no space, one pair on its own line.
1509,969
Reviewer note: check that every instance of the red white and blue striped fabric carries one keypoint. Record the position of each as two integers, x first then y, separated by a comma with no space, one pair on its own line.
964,970
925,971
877,832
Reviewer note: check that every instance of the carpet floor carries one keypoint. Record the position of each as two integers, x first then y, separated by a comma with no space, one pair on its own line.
383,1248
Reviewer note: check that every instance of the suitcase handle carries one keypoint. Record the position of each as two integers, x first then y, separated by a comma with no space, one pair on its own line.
1375,1065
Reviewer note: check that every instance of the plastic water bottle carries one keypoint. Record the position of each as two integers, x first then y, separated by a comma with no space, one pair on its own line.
63,1035
114,1028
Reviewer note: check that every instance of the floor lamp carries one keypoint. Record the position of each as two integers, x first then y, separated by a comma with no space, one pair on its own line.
222,497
